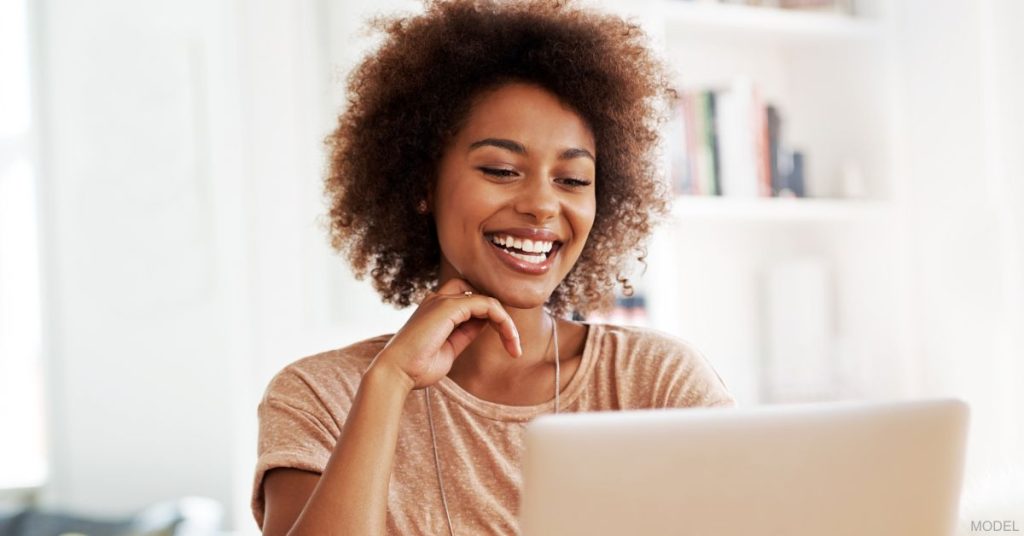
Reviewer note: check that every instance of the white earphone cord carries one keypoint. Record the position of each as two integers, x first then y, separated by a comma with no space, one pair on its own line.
433,434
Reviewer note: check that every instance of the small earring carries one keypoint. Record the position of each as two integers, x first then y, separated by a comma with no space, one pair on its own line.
422,206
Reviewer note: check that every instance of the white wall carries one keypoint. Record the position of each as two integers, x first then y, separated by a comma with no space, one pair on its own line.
144,279
962,80
181,186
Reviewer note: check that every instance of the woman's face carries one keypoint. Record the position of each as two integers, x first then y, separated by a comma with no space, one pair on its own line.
515,195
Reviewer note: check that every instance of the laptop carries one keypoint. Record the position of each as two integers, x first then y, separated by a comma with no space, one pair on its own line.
836,469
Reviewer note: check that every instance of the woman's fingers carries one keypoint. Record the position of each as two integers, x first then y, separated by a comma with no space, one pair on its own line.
445,323
456,285
464,333
490,310
493,311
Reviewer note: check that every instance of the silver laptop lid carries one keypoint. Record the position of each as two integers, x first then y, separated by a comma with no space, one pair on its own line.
837,469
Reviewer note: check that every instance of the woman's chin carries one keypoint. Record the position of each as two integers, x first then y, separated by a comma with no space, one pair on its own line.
520,300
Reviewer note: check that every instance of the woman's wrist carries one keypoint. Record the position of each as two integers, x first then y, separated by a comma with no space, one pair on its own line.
384,374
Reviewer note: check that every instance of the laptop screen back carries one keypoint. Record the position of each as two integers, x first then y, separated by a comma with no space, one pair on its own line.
844,468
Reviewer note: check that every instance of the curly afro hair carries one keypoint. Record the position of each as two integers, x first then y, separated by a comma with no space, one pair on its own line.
409,97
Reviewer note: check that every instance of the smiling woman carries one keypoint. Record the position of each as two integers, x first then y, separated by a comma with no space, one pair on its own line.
495,167
409,99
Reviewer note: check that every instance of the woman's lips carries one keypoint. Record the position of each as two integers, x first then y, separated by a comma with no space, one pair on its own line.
522,266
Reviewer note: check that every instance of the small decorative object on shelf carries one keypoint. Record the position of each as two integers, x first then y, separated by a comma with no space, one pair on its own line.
788,177
729,142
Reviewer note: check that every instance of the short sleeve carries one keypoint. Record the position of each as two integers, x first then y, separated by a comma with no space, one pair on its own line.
696,383
294,432
657,370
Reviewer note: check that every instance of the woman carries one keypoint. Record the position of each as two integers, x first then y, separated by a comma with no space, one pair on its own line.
494,165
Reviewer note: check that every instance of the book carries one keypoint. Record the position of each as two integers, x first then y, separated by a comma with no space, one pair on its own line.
711,132
774,127
737,140
729,141
681,169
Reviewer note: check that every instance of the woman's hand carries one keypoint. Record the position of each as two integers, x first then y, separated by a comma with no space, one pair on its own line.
350,496
443,325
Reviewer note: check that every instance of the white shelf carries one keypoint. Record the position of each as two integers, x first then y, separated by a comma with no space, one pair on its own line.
781,210
745,23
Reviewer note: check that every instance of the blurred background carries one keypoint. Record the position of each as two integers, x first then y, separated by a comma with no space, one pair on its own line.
849,179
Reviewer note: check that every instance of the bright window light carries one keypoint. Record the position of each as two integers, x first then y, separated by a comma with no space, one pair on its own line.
22,451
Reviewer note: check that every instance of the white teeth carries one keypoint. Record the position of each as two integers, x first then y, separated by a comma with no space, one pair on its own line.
525,244
535,259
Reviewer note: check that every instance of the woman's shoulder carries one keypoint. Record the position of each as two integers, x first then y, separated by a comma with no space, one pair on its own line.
637,343
649,362
329,373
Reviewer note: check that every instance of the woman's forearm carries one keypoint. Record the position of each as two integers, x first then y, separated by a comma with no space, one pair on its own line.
351,496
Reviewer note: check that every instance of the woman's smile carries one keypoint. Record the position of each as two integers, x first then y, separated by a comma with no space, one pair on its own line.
530,251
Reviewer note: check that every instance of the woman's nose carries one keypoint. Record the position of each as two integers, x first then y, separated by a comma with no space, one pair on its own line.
538,198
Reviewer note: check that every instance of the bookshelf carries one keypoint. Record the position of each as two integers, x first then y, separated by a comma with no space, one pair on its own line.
784,295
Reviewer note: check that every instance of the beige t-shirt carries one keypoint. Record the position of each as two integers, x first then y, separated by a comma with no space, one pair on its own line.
479,443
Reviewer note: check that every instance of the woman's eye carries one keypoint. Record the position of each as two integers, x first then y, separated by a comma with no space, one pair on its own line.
576,183
498,172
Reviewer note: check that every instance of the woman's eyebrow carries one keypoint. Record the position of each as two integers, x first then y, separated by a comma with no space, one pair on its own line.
518,148
576,153
508,145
